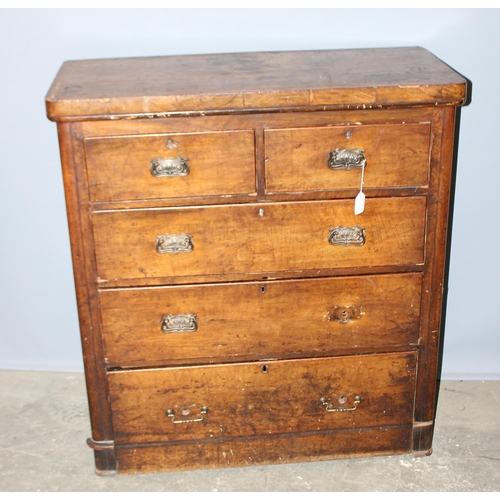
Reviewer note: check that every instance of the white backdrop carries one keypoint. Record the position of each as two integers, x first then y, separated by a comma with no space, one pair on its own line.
38,320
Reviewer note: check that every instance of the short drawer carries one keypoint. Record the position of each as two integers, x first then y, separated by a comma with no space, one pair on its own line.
256,238
327,158
170,166
227,322
271,398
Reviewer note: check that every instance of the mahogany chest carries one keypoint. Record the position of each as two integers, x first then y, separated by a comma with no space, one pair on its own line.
234,309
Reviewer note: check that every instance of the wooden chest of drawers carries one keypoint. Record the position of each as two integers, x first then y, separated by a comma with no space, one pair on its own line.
233,308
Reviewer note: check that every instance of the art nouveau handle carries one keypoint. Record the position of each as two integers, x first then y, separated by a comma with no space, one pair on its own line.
171,414
169,167
347,236
179,323
345,159
174,243
342,400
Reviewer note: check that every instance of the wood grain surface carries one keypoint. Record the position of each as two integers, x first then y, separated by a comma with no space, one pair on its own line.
272,397
260,80
261,320
396,155
220,163
237,239
267,288
271,449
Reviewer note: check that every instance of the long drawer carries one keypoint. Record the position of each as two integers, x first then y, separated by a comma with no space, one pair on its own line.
272,398
329,158
170,166
152,326
258,238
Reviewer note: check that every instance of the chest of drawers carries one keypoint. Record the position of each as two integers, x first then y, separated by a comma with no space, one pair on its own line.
233,308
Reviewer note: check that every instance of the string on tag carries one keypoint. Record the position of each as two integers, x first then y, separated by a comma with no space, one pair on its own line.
359,201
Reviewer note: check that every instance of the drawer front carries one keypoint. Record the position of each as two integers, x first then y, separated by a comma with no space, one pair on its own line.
259,320
170,166
298,159
252,399
257,238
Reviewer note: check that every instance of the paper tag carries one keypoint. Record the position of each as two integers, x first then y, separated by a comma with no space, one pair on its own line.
359,203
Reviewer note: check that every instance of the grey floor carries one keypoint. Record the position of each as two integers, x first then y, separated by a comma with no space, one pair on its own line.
44,425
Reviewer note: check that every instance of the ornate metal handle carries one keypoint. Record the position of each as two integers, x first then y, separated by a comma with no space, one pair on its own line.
342,400
169,167
347,236
345,159
171,414
174,243
179,323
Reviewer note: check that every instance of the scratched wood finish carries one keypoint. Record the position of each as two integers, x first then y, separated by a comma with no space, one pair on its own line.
236,239
435,280
284,448
180,124
263,320
253,399
271,231
262,80
396,155
220,163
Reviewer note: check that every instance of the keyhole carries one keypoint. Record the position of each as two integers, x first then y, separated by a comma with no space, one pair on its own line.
265,369
342,399
345,314
348,134
185,412
172,144
263,288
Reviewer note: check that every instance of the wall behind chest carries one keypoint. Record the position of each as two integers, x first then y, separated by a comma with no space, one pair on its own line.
37,306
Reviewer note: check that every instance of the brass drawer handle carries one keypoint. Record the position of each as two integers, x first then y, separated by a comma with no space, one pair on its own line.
169,167
171,414
179,323
174,243
342,400
345,159
347,236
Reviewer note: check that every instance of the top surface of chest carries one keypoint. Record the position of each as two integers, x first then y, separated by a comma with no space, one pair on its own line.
252,81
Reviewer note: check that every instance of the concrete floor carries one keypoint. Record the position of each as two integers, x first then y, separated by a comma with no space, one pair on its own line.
44,425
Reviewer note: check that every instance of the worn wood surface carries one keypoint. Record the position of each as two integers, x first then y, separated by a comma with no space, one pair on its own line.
255,121
248,277
315,180
259,203
435,276
396,155
273,449
249,81
82,252
220,163
236,239
252,399
261,320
